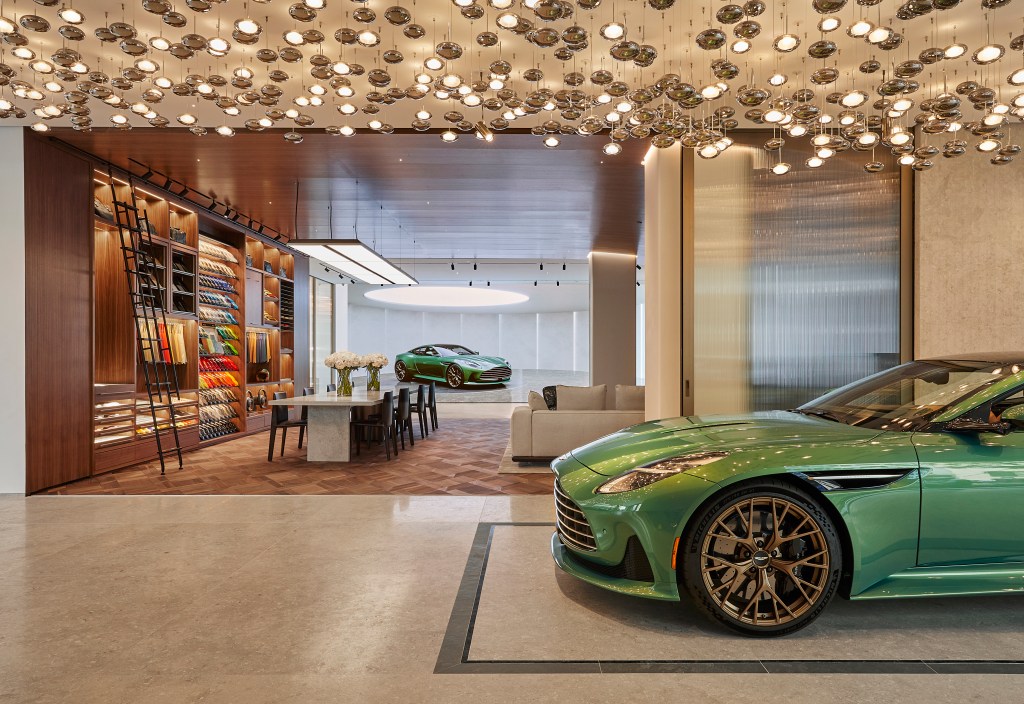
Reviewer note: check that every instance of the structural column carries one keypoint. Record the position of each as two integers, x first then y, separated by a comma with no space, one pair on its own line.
663,262
612,319
12,292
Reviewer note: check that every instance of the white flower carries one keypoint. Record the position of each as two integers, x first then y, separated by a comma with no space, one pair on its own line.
376,360
343,360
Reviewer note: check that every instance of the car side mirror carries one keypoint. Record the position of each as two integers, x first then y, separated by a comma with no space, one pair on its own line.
970,425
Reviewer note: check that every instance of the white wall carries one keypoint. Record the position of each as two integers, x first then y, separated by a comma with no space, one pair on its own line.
12,293
527,340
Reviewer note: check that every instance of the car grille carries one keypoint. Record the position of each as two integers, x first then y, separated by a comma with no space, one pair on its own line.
495,374
573,528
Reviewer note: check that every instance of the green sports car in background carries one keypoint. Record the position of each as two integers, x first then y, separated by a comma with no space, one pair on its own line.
907,483
455,365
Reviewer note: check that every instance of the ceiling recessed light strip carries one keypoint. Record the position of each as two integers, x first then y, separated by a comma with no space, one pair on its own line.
354,259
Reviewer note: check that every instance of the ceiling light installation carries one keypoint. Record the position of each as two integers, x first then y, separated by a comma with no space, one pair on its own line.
554,67
446,297
354,259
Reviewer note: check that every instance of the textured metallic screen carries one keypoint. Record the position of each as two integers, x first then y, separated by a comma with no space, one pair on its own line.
796,277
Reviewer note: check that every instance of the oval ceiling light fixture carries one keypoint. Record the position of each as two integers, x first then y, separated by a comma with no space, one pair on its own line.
955,51
829,24
786,43
613,31
445,297
989,53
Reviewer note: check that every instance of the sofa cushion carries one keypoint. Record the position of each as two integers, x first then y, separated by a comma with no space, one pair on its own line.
629,398
536,402
581,398
550,397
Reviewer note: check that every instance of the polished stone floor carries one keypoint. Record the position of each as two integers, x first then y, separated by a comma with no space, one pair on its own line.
253,599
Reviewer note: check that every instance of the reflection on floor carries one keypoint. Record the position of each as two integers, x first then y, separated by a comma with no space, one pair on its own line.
523,382
346,599
461,458
564,619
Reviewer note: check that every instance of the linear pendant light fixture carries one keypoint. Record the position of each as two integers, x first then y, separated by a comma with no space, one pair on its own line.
355,260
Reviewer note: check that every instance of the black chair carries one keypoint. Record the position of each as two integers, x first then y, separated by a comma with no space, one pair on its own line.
383,423
279,420
304,418
403,416
432,403
419,409
332,387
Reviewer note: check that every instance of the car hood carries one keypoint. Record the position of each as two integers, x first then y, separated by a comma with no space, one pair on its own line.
480,359
671,437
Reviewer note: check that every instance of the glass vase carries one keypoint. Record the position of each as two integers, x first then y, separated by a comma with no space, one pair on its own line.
345,382
373,379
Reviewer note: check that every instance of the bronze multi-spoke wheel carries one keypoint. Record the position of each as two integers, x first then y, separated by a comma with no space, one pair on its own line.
454,376
401,371
764,560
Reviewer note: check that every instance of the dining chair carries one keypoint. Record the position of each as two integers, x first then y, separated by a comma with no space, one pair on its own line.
420,410
304,418
382,422
403,416
279,420
432,403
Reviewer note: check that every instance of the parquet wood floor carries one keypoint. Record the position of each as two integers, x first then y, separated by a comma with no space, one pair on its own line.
460,458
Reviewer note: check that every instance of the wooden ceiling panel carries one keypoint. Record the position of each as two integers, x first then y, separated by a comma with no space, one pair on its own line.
408,195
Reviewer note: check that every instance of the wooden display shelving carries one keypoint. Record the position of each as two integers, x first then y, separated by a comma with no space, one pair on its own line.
195,295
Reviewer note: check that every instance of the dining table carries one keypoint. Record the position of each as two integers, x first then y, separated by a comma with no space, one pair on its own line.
328,421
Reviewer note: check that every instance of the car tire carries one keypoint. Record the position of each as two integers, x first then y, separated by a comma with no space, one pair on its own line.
763,559
402,371
454,376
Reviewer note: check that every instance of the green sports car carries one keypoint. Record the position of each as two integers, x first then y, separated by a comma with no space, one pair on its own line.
908,483
455,365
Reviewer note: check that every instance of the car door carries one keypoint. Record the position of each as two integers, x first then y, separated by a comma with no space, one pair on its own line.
972,492
430,363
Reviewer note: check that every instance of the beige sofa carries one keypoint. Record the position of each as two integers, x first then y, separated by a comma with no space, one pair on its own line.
583,414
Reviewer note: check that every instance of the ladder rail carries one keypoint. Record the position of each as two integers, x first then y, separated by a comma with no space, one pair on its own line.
148,314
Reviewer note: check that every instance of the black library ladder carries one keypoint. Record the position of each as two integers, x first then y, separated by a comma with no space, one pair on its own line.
147,299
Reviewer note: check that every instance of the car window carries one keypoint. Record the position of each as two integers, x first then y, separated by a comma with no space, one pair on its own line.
453,350
430,352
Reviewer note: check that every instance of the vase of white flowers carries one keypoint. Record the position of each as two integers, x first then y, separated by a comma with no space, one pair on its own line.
374,363
345,363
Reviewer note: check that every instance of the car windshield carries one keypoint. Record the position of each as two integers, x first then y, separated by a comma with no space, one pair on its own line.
452,350
907,397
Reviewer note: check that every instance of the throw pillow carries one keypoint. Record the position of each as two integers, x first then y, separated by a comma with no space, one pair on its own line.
536,402
550,397
581,398
629,398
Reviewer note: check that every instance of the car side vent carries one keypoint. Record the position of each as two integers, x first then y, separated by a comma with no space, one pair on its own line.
838,481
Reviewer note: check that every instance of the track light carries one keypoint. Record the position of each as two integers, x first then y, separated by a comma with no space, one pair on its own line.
542,266
474,267
534,283
639,268
470,283
453,266
558,283
563,266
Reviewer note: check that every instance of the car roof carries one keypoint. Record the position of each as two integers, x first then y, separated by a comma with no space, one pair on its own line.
992,357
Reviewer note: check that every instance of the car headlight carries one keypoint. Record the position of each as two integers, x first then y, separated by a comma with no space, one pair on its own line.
471,363
656,471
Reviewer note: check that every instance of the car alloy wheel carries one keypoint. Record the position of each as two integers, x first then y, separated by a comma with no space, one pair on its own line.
764,561
401,371
454,376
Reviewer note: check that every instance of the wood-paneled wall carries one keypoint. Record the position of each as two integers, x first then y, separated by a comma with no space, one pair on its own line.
59,310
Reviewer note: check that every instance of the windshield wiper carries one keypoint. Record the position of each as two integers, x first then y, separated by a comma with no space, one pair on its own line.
827,415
